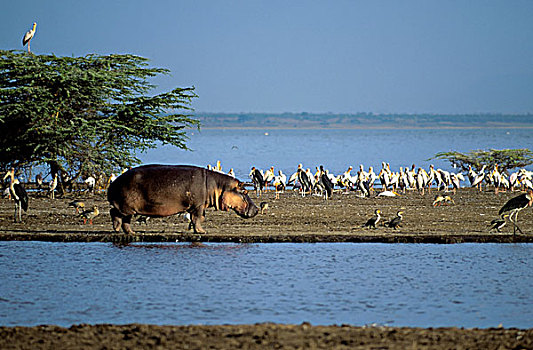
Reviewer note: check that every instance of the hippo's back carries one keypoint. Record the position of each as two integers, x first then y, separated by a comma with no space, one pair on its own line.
147,187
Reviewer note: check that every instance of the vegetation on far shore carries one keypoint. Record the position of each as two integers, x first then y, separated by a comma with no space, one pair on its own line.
361,120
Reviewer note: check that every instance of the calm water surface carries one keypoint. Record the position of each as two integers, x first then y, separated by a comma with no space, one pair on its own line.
470,285
335,149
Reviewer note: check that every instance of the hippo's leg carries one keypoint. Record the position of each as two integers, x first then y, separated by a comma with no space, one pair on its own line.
120,220
197,217
116,218
126,224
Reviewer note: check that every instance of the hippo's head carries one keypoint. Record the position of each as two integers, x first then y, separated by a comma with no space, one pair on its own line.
239,201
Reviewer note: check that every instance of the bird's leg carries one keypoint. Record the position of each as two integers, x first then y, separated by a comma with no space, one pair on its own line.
29,41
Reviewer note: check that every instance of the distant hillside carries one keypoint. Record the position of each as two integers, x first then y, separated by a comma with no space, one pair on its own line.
360,120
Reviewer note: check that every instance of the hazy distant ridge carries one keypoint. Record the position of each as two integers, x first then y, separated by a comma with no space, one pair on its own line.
360,120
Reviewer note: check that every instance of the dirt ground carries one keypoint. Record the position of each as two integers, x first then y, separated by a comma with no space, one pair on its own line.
260,336
289,219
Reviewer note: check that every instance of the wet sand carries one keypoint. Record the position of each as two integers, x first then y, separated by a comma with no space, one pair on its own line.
289,219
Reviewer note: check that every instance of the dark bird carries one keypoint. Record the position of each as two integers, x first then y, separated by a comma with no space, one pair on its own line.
372,222
143,219
498,223
326,183
18,193
395,223
90,215
258,181
514,205
28,36
264,207
39,180
78,205
304,180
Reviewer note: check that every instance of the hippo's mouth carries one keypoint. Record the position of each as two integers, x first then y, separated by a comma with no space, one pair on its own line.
250,211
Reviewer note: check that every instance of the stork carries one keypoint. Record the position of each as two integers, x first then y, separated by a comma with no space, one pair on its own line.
28,36
18,193
514,205
258,180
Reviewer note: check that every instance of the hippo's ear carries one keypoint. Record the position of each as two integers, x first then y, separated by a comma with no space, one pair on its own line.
245,191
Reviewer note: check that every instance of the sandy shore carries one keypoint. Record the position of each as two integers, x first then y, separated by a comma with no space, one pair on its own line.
289,219
260,336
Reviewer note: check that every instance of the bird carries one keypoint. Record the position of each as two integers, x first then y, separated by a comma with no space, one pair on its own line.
258,180
18,193
388,194
514,205
142,219
90,214
440,200
497,224
28,36
373,221
326,183
53,186
279,183
264,207
395,223
78,205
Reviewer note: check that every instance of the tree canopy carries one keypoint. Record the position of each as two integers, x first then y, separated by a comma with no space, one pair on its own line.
85,115
506,159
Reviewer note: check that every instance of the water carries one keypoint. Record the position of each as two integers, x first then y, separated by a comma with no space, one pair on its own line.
335,149
468,285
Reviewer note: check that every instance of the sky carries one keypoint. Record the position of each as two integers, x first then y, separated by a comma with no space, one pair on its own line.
426,56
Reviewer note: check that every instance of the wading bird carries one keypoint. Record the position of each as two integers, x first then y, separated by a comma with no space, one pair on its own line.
18,193
514,205
28,36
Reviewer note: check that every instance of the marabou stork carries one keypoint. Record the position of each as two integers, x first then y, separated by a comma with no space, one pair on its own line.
28,36
258,181
18,193
326,183
514,205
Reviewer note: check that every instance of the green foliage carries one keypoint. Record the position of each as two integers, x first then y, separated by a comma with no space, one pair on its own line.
85,115
506,159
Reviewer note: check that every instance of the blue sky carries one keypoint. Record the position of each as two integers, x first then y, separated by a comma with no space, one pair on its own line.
305,56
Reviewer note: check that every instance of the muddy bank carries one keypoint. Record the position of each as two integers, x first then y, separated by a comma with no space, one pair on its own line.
288,219
260,336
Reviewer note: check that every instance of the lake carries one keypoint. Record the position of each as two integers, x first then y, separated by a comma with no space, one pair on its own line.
335,149
464,285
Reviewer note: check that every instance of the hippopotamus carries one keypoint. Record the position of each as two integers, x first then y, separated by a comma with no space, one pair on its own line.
163,190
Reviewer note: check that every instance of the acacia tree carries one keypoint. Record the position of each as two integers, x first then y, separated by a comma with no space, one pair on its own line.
85,115
506,159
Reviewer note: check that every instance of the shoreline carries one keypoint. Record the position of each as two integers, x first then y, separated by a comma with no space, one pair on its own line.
261,336
119,238
291,218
